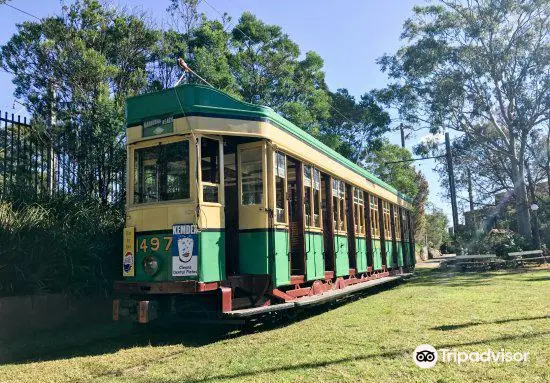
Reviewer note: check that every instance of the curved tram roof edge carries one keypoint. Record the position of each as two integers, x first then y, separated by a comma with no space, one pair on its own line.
200,100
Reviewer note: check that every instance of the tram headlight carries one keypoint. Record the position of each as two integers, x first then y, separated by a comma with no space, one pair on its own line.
150,265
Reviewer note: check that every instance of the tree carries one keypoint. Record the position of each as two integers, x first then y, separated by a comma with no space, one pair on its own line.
391,164
185,15
382,161
162,73
481,68
354,127
436,228
80,67
267,70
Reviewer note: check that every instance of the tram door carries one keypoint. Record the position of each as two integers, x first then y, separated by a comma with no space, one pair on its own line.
328,223
295,217
231,208
253,220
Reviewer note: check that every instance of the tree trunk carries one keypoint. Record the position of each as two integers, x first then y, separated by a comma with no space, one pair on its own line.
520,196
532,195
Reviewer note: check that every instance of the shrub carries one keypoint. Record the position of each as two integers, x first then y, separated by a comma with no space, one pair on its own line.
500,244
63,244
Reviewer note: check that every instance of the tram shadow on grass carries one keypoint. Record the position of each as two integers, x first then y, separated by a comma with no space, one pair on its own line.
99,339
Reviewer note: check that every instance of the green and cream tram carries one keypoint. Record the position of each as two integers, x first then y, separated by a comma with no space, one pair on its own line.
231,208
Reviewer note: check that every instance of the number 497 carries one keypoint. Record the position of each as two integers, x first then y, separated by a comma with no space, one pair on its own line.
154,244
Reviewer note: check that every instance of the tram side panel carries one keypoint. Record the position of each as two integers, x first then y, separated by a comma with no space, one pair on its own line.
315,263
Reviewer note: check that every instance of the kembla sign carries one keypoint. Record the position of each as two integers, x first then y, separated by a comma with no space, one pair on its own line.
184,250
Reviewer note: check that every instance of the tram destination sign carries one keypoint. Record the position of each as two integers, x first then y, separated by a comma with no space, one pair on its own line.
185,249
158,126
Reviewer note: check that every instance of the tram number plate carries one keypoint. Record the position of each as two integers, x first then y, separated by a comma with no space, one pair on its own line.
184,250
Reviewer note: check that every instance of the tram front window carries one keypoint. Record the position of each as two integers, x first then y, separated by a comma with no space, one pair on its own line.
161,173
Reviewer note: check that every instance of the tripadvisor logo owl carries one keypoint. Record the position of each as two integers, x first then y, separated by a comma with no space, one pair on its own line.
425,356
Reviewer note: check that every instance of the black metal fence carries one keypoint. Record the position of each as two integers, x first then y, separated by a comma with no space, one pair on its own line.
35,162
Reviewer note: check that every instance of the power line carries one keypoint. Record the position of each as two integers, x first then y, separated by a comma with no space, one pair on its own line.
22,11
230,23
414,159
341,114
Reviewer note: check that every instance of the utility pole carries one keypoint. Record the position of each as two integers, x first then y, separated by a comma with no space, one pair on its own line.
452,187
402,135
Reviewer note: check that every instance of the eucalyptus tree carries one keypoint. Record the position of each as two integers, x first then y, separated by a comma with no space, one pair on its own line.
480,67
267,68
355,127
80,67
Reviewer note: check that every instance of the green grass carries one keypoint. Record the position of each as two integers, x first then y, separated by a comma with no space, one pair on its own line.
369,339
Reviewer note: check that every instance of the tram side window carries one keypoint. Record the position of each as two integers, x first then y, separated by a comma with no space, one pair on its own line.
316,198
342,209
338,196
374,220
397,220
387,219
359,215
405,225
210,169
252,177
280,180
161,173
307,194
335,204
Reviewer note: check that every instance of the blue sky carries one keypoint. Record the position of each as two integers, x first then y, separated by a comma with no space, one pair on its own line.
349,35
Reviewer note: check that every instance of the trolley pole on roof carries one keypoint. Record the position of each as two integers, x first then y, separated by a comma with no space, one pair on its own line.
452,187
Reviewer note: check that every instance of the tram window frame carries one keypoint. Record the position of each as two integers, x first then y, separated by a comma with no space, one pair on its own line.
359,211
397,222
375,217
308,205
210,176
339,205
280,175
162,172
405,225
316,194
342,209
257,186
386,217
335,204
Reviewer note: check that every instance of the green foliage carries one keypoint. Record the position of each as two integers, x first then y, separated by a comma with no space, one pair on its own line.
63,244
355,127
481,69
497,243
402,175
78,69
436,228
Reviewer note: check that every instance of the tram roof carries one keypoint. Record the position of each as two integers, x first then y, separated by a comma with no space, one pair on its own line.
200,100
